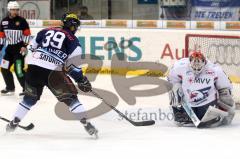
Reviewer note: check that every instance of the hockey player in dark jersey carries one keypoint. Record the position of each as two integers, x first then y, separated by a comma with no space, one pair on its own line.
49,65
15,34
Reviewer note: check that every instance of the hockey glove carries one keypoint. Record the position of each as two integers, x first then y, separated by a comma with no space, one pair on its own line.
82,81
84,85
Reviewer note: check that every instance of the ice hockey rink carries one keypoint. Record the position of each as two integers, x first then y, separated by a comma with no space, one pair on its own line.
56,138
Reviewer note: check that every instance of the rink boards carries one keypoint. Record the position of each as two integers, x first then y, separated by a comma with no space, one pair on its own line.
139,45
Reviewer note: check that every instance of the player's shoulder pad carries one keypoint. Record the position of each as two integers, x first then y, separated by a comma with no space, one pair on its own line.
213,68
4,21
184,62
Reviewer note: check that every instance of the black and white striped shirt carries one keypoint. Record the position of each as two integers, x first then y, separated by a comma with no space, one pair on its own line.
14,31
15,37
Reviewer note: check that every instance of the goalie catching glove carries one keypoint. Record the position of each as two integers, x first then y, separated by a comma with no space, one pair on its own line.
77,74
227,104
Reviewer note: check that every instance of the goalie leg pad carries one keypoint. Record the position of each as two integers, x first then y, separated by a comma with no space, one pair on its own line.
201,111
228,119
180,116
215,117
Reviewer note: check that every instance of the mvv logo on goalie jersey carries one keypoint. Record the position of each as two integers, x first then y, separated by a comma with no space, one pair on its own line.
199,80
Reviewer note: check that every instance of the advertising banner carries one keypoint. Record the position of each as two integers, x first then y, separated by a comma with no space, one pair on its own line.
223,10
35,9
139,45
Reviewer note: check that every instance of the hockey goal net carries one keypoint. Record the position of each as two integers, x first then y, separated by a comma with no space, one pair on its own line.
223,50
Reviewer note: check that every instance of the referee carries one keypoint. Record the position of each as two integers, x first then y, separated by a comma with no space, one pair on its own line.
15,34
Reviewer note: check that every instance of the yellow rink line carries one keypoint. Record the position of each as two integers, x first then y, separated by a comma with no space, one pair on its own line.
126,71
123,71
116,71
235,79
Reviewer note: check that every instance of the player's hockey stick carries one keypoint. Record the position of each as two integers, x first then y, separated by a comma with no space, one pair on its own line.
28,127
139,123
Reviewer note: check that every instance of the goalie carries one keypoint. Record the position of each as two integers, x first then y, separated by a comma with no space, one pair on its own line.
204,88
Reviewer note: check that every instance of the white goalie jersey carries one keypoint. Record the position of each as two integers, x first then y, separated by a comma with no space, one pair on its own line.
200,89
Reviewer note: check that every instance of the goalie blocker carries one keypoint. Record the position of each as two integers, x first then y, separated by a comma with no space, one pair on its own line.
204,90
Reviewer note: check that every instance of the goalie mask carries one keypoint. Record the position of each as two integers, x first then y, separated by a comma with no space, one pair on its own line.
71,22
197,62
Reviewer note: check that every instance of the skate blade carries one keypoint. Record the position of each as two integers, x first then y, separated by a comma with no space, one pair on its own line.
7,131
96,135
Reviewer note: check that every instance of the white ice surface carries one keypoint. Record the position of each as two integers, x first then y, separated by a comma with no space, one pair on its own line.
56,138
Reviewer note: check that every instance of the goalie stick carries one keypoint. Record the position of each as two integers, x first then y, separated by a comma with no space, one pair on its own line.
28,127
139,123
